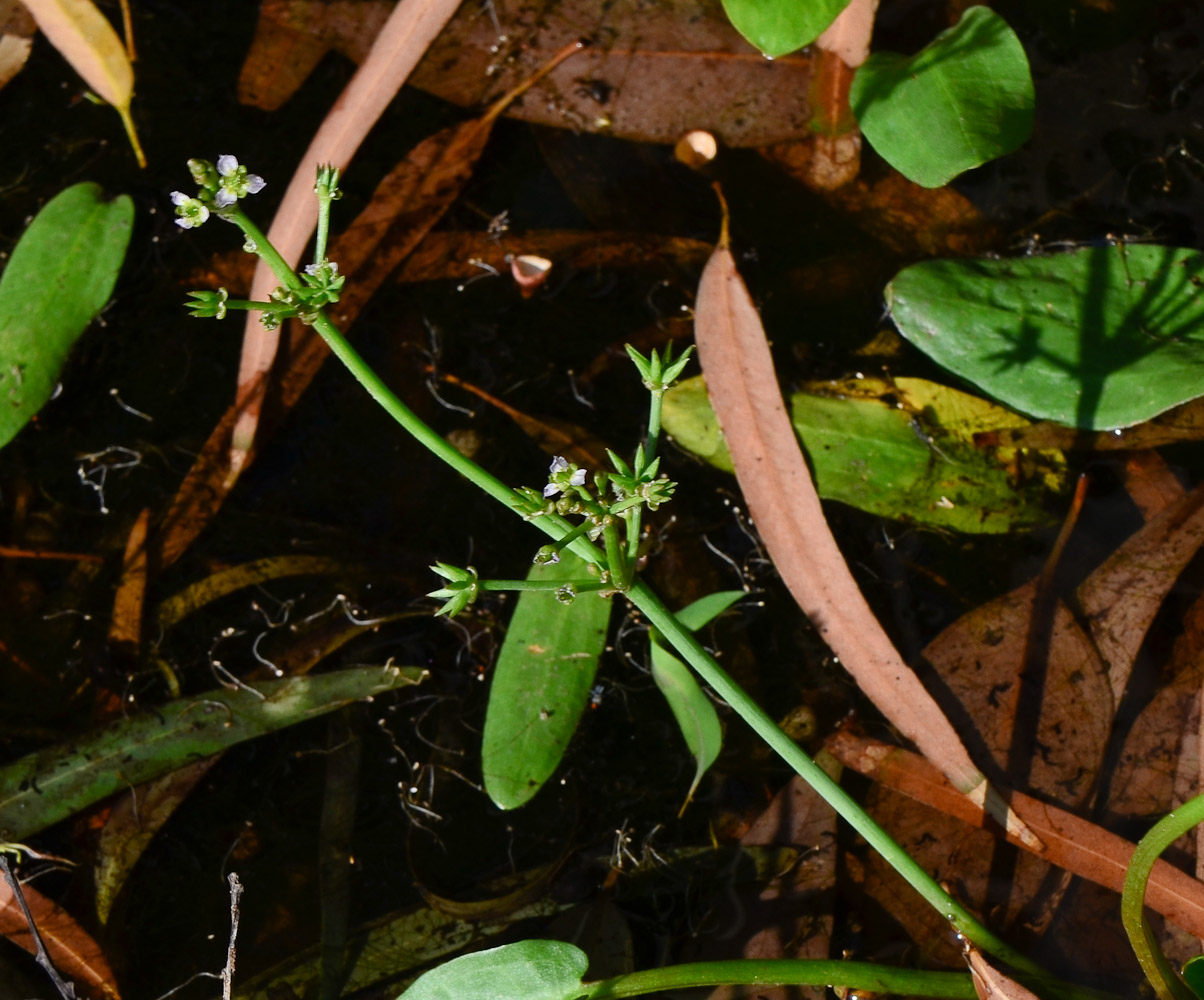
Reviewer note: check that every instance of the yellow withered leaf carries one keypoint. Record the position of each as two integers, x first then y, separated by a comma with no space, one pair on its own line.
84,37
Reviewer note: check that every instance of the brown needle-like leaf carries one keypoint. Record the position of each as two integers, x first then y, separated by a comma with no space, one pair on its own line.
781,497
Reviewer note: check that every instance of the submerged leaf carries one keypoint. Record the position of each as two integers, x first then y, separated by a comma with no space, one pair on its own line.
541,684
61,273
902,449
52,784
695,715
964,99
1100,338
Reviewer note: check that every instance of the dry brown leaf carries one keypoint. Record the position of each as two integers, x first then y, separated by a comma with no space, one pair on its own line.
1183,423
1072,843
990,983
782,500
73,950
655,70
126,628
404,37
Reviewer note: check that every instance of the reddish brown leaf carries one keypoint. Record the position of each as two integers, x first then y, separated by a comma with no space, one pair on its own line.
781,497
654,72
73,950
1072,843
990,983
126,627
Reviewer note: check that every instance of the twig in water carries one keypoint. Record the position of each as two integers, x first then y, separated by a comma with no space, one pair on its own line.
66,989
228,971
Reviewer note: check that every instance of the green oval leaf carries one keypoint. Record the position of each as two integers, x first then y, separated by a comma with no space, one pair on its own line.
60,275
525,970
541,684
1101,338
777,27
964,99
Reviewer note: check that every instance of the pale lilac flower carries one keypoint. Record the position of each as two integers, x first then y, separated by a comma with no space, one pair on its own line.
190,212
556,472
234,182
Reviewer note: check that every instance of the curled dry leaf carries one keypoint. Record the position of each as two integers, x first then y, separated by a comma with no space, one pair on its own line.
990,983
529,272
781,497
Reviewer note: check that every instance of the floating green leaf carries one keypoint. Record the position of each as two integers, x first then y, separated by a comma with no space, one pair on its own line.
52,784
541,684
525,970
61,273
964,99
777,27
902,449
1100,338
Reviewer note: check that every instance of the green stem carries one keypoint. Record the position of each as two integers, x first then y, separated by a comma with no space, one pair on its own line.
323,194
787,972
654,424
684,642
666,623
1166,831
579,586
268,253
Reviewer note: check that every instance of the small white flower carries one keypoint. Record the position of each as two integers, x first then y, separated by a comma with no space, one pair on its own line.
556,470
234,182
190,212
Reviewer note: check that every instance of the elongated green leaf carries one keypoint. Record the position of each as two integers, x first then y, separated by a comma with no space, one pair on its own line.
705,609
1100,338
696,716
903,450
965,98
61,273
541,684
45,787
777,27
525,970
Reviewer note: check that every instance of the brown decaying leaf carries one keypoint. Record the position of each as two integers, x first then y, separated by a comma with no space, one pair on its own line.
404,37
1072,843
990,983
74,952
781,497
126,627
654,72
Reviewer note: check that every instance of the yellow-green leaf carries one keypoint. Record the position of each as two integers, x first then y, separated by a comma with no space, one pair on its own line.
84,37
